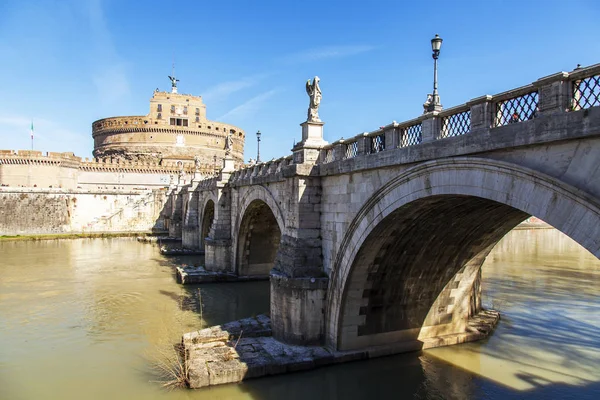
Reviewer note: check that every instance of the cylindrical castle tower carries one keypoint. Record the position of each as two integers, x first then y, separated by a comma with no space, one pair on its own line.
175,130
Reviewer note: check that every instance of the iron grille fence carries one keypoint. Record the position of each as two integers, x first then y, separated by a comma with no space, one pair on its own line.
328,156
517,109
377,143
410,136
586,92
456,124
351,150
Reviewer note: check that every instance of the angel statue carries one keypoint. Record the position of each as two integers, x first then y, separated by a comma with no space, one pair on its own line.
173,81
228,144
196,163
314,92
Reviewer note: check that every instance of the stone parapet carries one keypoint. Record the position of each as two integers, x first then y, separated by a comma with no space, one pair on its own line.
547,96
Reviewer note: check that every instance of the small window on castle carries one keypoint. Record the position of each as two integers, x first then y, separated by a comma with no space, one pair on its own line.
159,108
185,122
185,110
197,111
172,121
159,116
197,119
172,109
217,128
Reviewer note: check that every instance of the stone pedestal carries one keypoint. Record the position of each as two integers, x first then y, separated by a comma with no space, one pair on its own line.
298,309
308,150
228,164
312,134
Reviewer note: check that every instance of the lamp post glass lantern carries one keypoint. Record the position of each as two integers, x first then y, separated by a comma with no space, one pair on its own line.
433,100
258,147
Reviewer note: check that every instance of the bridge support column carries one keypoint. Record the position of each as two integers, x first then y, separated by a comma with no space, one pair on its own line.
218,245
298,308
190,238
298,283
175,218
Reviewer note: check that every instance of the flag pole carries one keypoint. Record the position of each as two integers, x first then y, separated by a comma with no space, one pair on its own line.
31,135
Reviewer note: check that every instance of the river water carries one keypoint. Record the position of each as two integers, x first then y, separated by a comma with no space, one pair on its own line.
91,319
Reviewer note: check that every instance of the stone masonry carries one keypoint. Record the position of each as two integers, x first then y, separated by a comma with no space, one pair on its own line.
382,236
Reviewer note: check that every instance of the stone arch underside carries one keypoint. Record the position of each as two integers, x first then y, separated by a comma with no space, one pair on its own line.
409,267
208,215
257,241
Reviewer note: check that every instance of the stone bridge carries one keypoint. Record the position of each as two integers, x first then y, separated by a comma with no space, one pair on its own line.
379,239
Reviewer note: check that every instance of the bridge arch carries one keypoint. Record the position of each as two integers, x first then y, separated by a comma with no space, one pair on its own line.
258,228
417,245
207,216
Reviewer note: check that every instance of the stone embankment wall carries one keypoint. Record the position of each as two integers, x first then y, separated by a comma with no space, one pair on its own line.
25,211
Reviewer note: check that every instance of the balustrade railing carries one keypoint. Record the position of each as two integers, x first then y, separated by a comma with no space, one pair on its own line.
377,143
411,135
516,109
546,96
456,124
351,150
586,92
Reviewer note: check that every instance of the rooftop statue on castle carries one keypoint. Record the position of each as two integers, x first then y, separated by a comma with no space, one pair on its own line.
173,81
314,93
196,163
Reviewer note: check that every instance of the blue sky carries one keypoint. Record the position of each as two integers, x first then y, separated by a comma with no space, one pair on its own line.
67,63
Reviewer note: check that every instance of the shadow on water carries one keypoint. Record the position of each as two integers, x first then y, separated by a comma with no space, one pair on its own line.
415,375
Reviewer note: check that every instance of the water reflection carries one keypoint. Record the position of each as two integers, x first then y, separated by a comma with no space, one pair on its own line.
547,289
82,319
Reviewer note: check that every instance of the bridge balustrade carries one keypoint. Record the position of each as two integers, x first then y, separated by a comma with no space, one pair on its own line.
376,143
457,123
522,107
351,150
586,92
410,135
576,90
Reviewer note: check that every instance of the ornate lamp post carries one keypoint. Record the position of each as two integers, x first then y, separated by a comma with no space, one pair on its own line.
433,100
258,147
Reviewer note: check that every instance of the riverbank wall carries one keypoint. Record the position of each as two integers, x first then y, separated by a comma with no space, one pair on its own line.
50,211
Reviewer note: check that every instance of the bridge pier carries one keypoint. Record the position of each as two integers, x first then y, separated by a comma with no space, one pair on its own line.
297,308
218,245
190,230
298,282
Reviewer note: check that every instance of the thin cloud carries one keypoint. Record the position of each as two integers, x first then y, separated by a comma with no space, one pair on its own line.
109,77
250,106
322,53
48,135
225,89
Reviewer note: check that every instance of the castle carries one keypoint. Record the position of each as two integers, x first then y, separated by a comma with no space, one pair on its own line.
171,144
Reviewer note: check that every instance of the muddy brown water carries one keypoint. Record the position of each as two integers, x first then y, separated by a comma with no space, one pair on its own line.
89,318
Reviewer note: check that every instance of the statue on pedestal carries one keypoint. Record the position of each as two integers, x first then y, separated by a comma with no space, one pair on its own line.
228,144
181,177
196,163
314,93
